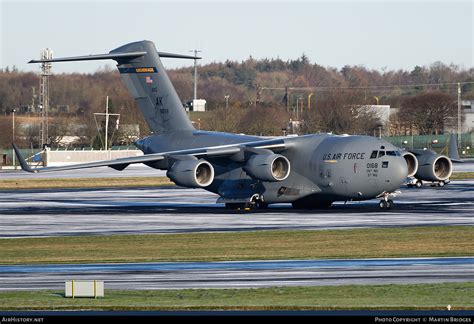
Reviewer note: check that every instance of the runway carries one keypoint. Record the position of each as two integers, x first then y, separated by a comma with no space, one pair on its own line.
248,274
40,213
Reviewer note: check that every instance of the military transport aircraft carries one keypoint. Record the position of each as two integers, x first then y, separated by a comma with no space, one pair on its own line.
310,171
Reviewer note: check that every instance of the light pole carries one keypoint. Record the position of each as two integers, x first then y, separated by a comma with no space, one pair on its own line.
309,101
13,136
226,101
297,107
459,115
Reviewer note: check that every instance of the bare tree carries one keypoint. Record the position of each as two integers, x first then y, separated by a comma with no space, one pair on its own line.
429,112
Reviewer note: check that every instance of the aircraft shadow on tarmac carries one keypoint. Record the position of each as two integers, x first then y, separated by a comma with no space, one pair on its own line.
219,209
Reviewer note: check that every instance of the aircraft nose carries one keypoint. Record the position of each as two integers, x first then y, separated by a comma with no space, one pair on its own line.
400,170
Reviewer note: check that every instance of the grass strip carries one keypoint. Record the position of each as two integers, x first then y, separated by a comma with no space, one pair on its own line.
260,245
368,297
25,183
461,175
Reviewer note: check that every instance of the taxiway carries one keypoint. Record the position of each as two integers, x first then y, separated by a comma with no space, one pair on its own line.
248,274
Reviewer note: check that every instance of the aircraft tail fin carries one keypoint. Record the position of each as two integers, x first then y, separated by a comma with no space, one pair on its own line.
146,79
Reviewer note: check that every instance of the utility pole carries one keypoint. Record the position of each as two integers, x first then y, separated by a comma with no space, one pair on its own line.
459,115
226,101
107,116
259,92
46,54
13,136
195,51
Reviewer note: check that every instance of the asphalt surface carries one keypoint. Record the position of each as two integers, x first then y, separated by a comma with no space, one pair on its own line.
42,213
249,274
38,213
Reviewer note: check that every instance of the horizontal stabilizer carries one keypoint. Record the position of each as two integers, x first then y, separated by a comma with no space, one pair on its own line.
112,56
179,56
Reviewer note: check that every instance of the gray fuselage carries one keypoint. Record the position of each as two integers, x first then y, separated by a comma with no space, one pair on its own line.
324,167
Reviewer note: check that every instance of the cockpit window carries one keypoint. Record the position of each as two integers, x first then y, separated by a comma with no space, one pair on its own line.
381,153
391,153
373,155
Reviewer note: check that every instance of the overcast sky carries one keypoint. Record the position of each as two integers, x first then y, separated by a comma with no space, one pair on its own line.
376,34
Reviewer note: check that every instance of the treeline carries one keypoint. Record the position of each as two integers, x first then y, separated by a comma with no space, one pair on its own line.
258,101
243,80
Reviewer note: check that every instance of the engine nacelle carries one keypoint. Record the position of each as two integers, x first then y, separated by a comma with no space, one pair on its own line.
433,167
191,173
268,167
412,163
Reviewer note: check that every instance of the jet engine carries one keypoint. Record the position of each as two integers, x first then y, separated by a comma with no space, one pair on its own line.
268,167
433,167
412,163
191,173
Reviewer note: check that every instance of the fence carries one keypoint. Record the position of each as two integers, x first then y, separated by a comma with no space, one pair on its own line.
438,143
55,157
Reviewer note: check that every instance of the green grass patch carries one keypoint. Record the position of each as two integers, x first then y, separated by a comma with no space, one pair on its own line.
25,183
353,243
410,297
461,175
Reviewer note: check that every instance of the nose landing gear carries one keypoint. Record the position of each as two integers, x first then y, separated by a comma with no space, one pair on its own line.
386,202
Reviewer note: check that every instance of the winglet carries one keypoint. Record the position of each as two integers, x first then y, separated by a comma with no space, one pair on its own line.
23,164
453,153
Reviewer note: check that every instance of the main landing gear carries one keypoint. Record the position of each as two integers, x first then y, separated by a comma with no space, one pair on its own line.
256,201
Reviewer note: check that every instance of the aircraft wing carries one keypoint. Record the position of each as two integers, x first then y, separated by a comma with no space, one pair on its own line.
122,163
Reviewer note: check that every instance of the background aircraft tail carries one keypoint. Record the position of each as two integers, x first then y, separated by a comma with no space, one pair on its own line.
145,77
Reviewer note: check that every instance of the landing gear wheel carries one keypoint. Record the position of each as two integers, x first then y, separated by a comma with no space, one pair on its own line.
386,204
390,204
240,206
441,184
419,183
262,205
